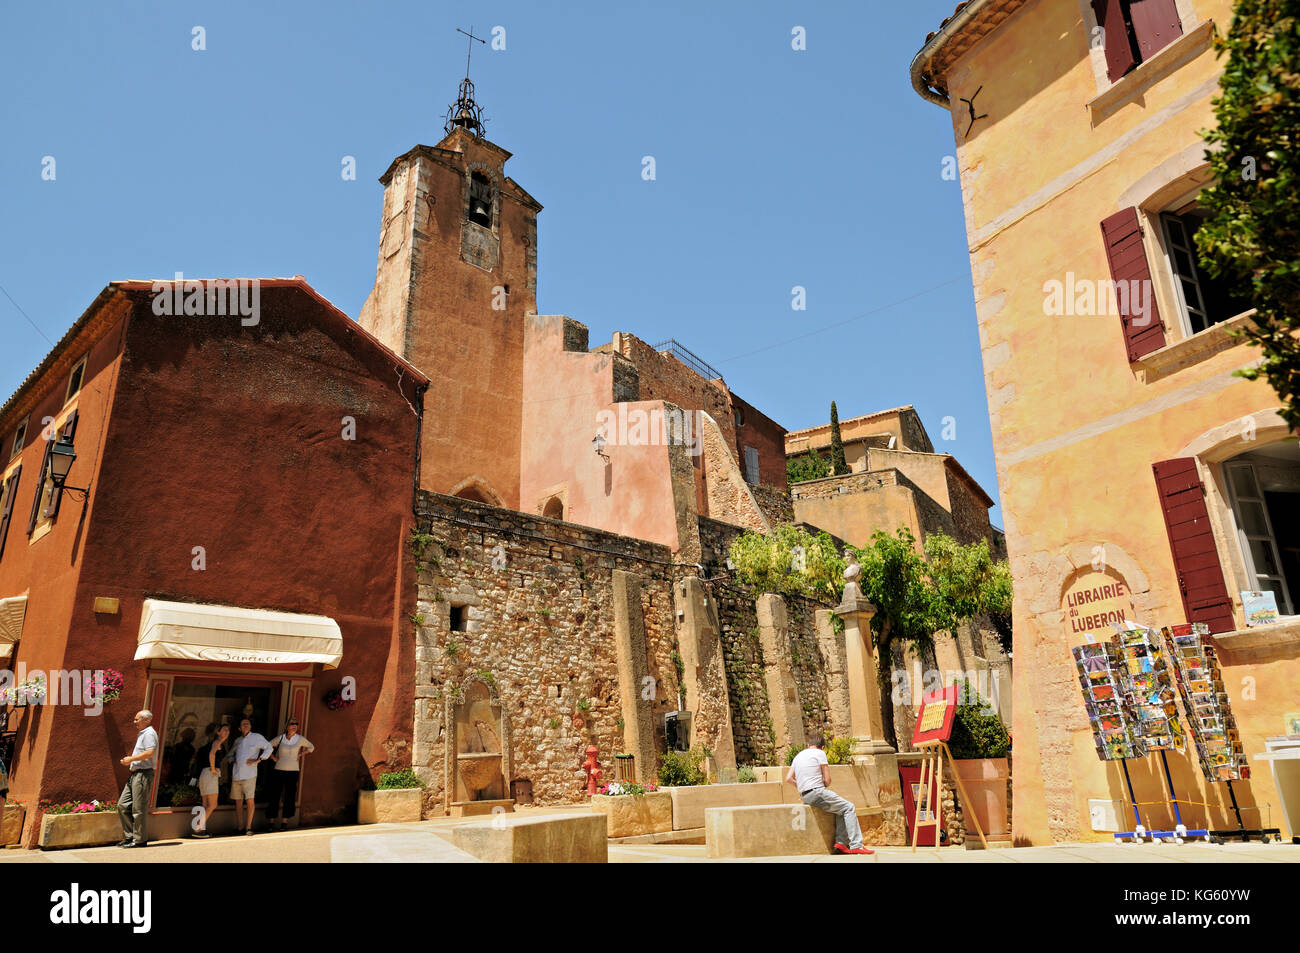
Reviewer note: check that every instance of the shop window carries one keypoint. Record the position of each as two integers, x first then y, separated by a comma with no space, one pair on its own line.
1264,493
459,618
1133,31
197,710
480,200
1205,300
20,438
75,380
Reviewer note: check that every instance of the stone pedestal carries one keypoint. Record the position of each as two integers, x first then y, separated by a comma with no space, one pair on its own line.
865,722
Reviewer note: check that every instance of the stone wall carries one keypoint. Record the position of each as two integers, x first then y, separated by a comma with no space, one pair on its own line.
537,596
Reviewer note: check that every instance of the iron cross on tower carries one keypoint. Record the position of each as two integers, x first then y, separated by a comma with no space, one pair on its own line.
465,112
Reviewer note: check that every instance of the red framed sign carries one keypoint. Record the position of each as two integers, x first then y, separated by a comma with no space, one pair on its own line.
935,716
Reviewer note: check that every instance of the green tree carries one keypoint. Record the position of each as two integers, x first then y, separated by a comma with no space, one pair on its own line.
791,561
807,466
1253,232
838,464
917,592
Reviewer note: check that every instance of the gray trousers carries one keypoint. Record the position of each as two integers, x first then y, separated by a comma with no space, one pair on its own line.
847,831
133,806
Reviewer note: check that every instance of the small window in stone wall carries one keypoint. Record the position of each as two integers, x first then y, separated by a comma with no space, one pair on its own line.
459,618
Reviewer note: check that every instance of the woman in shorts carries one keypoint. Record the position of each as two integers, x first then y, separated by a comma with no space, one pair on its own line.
210,776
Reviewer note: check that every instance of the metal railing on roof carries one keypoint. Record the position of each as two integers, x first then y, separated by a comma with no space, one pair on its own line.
689,358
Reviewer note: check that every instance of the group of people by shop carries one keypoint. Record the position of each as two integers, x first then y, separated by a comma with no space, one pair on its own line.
243,753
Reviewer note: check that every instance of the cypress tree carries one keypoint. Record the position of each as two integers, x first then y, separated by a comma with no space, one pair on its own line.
838,464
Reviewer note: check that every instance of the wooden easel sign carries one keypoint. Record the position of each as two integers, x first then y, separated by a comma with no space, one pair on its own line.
933,729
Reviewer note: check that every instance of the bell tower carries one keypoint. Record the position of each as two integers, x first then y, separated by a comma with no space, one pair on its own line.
457,273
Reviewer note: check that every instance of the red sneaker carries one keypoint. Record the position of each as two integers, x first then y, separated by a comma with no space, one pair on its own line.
840,848
859,850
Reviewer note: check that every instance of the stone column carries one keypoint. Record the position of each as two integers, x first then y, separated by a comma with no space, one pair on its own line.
704,676
778,672
637,707
874,759
865,722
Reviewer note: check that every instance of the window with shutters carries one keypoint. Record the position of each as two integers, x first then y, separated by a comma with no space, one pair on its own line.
75,380
20,438
45,505
1131,32
8,492
751,465
1203,299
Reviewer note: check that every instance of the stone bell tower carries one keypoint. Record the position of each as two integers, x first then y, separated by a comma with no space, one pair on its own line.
457,273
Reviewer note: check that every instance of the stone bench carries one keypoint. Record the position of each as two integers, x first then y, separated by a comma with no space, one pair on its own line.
690,803
767,831
547,839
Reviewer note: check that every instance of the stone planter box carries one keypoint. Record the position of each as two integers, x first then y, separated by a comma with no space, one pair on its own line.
629,815
985,780
851,782
392,806
80,830
690,803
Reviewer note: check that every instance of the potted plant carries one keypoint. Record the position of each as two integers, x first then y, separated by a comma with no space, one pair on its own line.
633,809
399,798
979,746
79,824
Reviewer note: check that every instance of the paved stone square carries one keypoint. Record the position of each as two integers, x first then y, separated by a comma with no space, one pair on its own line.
430,842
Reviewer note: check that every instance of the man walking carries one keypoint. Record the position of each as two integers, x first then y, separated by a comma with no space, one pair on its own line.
133,805
249,750
811,773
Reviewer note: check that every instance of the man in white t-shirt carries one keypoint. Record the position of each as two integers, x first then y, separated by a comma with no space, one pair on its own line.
811,773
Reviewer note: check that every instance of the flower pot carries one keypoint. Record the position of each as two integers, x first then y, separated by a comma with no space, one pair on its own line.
80,830
985,780
630,815
11,832
390,806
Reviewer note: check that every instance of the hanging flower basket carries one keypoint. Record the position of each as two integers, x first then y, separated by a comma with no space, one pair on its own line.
32,691
335,701
107,685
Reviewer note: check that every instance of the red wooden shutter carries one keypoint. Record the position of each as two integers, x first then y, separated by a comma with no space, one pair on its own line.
1155,25
6,516
1196,559
69,431
1122,234
1119,51
40,483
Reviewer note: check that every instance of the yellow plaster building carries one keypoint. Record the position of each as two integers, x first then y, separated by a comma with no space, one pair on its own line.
1128,454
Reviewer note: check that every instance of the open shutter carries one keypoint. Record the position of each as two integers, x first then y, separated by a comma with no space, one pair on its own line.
1119,51
7,514
69,431
1122,234
40,484
1196,559
1155,25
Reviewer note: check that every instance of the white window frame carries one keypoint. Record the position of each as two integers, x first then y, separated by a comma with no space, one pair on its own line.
1286,606
15,446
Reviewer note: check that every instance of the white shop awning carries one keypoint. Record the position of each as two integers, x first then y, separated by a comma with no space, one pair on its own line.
12,612
206,633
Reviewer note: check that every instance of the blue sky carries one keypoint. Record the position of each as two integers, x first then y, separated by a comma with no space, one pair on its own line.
774,168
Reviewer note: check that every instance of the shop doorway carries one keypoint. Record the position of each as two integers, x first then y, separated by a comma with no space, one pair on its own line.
197,710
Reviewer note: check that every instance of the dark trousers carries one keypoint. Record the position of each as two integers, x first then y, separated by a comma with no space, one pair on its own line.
133,806
284,788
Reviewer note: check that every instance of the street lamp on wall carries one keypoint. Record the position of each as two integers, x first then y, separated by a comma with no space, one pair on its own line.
598,444
62,456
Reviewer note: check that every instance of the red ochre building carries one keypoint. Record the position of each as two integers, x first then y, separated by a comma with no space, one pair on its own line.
269,467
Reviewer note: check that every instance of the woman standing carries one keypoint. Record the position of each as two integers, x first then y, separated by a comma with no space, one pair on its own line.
284,779
210,775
